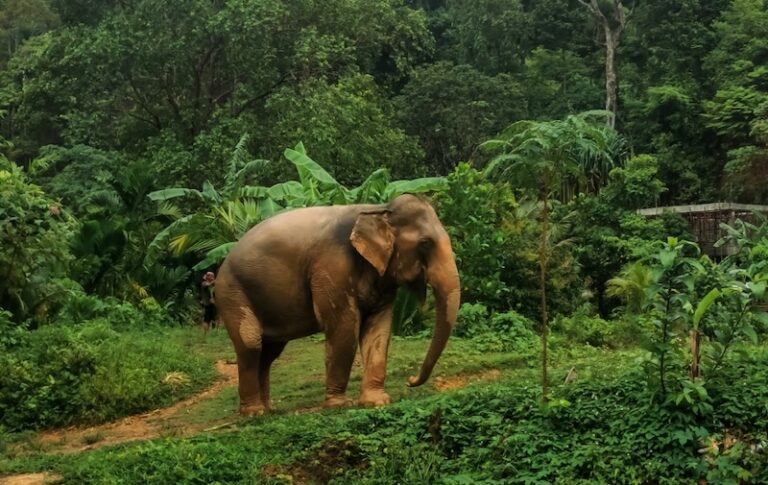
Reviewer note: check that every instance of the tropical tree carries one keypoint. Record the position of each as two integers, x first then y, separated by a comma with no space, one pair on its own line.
631,286
34,245
544,156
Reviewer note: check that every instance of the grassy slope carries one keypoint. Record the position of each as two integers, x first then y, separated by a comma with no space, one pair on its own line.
298,380
608,431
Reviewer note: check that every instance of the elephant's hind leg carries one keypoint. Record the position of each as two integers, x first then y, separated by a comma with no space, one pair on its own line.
249,362
245,331
269,352
248,365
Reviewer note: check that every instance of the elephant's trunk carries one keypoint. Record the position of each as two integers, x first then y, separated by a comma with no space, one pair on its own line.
443,277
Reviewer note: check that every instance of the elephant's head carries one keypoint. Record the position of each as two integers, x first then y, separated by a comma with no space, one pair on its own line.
407,242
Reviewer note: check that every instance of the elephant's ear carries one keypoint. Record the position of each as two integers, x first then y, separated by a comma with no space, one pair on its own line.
374,239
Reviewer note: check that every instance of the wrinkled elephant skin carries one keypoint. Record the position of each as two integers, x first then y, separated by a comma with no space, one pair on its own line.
334,270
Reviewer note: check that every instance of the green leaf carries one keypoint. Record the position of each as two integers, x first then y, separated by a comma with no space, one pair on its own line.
307,167
253,192
286,191
215,255
167,194
405,307
422,185
757,288
761,317
704,304
268,208
373,189
667,258
750,333
210,194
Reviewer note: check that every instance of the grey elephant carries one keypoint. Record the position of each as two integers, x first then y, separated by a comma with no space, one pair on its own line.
336,270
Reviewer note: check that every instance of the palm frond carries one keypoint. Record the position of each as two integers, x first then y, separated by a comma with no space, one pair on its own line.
168,209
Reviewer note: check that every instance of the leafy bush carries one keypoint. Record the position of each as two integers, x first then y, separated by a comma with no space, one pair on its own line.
81,307
59,375
495,240
583,328
504,331
34,238
472,319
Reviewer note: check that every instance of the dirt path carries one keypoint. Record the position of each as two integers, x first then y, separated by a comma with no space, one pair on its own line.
144,426
155,424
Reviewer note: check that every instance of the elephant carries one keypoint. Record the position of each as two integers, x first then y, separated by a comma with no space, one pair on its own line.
334,269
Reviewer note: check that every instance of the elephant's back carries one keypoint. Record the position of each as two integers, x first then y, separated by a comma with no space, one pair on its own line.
270,265
295,231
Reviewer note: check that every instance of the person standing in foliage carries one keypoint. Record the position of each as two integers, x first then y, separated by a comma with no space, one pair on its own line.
207,299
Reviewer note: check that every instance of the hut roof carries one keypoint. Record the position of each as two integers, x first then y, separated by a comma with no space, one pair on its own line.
713,207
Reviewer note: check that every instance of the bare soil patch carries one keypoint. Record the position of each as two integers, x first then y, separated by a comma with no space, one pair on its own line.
449,383
320,465
144,426
30,479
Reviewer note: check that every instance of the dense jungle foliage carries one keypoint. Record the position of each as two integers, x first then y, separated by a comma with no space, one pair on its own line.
140,139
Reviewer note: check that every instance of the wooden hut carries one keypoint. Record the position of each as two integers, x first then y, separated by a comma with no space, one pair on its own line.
704,222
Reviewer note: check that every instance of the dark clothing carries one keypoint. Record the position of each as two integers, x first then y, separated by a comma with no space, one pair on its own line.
209,314
206,299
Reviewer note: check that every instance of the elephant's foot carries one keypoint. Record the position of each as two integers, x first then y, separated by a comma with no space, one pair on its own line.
253,409
374,397
337,401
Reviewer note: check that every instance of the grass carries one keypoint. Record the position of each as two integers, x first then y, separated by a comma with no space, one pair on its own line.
298,376
298,386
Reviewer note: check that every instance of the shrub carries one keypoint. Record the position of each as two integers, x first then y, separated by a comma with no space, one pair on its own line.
59,375
585,329
81,307
472,316
502,331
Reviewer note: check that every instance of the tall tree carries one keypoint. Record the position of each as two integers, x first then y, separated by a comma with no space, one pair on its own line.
453,108
20,19
612,17
541,155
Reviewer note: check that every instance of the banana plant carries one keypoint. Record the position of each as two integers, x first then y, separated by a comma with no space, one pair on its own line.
227,214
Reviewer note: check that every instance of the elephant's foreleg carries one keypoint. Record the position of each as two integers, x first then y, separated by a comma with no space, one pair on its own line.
269,352
340,318
340,349
374,346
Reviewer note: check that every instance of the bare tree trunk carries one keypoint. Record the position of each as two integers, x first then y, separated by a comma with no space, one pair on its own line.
695,354
611,87
612,28
543,261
